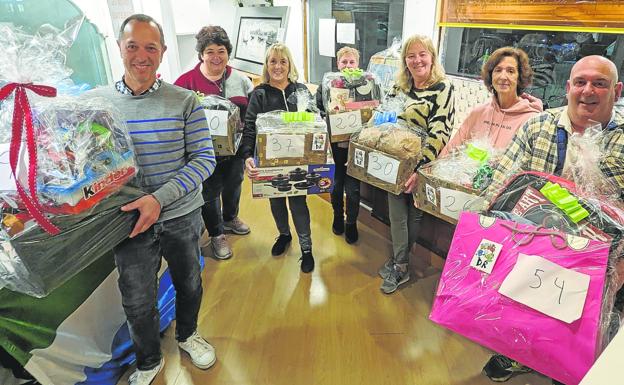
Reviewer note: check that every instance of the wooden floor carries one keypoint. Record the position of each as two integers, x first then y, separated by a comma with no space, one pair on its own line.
271,324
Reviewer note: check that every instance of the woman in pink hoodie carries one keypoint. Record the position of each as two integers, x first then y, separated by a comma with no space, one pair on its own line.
506,74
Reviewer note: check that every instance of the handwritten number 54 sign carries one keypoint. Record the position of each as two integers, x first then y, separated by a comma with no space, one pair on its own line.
285,146
547,287
383,167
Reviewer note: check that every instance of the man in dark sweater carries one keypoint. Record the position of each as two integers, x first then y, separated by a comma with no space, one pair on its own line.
175,155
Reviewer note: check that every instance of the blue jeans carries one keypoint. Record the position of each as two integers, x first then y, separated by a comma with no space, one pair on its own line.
223,185
138,262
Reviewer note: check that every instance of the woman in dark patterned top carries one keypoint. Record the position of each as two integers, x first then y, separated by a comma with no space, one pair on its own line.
430,106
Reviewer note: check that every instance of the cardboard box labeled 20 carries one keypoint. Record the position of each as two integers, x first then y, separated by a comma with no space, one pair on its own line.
284,181
444,199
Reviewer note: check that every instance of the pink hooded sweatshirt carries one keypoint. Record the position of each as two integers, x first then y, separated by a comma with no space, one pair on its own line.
499,124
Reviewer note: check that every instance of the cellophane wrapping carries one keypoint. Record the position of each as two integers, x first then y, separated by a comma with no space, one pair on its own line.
226,136
386,144
574,223
350,89
385,65
291,139
84,160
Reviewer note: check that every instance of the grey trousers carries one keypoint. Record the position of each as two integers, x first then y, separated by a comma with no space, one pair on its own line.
300,215
405,220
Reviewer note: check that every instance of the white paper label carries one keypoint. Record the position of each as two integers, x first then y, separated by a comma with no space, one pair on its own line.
345,122
547,287
486,255
318,142
217,122
358,157
453,202
285,146
383,167
431,194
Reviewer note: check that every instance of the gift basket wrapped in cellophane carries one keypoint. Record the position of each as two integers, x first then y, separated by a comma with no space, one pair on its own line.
385,65
386,152
64,165
292,138
224,122
453,183
349,97
534,277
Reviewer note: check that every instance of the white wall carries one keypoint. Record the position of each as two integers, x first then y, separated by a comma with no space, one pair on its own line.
223,13
190,15
419,18
294,33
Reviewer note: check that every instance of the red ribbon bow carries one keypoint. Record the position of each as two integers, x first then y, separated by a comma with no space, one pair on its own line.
22,118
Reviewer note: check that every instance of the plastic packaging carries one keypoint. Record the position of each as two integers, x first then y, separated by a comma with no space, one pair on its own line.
64,163
533,294
349,90
225,124
291,139
386,154
446,186
385,65
304,100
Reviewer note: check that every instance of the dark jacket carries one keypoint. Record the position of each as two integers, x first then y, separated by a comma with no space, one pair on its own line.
265,98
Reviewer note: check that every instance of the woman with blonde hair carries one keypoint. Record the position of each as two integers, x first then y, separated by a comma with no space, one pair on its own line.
429,106
346,57
279,81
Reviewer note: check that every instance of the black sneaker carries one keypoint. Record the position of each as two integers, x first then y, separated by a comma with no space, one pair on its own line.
500,368
351,233
338,225
307,261
555,382
281,242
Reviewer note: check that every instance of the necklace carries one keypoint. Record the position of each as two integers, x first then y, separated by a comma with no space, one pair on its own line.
218,83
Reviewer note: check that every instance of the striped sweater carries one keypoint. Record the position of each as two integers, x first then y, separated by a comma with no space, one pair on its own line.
172,143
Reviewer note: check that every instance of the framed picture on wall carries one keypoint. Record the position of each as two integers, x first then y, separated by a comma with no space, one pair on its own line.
257,29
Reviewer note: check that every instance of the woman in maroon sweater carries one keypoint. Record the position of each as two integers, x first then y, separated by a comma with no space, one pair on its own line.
212,76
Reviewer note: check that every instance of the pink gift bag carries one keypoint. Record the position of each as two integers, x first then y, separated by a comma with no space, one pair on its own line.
532,294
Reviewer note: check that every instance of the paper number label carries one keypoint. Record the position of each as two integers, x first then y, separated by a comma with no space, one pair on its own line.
217,122
285,146
453,202
345,123
358,157
547,287
318,142
383,167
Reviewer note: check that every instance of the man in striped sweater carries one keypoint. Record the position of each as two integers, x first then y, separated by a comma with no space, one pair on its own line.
175,155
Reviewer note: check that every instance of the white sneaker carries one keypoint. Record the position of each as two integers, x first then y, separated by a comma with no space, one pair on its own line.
236,226
220,247
145,377
202,353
